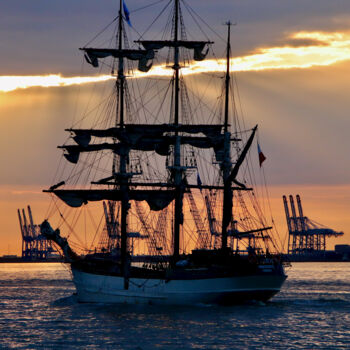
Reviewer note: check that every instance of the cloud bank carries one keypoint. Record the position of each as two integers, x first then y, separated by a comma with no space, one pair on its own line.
303,50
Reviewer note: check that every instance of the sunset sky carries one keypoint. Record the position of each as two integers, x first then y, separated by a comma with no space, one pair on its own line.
292,63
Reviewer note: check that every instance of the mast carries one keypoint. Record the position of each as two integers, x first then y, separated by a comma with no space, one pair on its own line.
121,76
176,63
177,148
227,78
158,138
226,164
123,179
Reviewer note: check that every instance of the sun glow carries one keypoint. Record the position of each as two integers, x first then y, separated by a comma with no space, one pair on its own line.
10,83
304,50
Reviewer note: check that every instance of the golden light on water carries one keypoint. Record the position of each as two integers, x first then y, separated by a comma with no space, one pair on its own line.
320,49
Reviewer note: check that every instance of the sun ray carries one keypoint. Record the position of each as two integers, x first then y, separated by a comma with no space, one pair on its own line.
310,49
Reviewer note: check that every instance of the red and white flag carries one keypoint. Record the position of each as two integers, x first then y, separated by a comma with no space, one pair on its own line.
261,155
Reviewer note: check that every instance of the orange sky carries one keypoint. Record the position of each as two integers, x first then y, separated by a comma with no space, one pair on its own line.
35,120
328,205
292,63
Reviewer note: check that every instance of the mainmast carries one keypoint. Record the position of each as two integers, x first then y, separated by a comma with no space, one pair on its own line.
177,149
123,176
226,164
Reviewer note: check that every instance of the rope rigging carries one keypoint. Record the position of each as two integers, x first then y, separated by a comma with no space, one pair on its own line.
152,101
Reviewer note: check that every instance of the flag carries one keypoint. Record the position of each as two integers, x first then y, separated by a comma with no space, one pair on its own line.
199,182
126,14
261,155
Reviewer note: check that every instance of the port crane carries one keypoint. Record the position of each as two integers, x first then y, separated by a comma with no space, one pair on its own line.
306,236
34,245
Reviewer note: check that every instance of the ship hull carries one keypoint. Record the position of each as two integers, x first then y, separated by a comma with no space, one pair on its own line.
97,288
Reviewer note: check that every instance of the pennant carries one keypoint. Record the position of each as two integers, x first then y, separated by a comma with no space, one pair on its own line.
126,14
262,157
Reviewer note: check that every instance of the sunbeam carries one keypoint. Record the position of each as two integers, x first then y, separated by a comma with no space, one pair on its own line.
304,50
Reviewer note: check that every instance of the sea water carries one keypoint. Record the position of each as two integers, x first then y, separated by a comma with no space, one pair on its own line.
38,310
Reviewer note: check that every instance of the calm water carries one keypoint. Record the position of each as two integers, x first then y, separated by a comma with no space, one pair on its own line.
38,311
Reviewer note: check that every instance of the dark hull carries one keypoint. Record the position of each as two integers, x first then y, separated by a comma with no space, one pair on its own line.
240,281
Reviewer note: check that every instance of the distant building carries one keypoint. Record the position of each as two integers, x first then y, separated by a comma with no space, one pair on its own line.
342,248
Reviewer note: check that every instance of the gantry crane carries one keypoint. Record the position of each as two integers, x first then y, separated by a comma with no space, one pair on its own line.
34,245
305,235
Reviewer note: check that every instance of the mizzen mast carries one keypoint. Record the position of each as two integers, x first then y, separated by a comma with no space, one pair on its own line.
226,165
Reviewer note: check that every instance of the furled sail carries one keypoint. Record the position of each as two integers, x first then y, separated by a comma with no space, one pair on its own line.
160,145
143,56
137,130
145,137
156,199
196,46
73,151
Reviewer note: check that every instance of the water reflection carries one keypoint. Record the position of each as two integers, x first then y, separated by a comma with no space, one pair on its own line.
38,308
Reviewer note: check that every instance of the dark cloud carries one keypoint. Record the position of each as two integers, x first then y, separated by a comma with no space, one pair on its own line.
303,42
41,36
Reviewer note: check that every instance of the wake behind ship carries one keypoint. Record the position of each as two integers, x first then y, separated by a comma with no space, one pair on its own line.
183,225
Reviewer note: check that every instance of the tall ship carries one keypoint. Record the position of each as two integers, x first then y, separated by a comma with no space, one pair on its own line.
170,164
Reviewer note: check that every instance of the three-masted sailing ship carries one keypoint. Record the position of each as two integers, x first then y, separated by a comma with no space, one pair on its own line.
216,254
